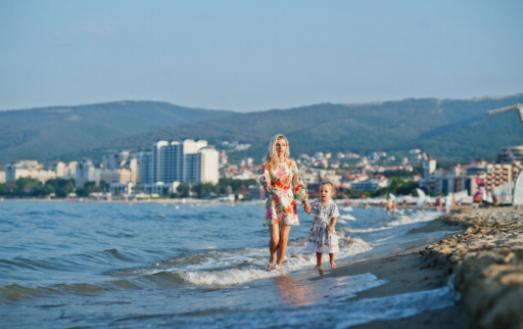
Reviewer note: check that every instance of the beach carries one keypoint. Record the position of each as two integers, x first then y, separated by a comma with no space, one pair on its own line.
484,264
406,272
487,262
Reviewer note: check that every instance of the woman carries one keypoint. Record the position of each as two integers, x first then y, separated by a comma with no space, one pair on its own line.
281,181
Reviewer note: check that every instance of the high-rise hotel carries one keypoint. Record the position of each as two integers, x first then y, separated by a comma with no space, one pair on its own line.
173,161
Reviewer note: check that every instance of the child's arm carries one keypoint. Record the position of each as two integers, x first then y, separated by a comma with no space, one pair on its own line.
332,225
334,217
307,207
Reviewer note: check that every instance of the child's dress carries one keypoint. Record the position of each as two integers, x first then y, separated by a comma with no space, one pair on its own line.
319,238
284,188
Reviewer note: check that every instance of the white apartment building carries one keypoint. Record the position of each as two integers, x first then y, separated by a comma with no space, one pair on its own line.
209,166
2,176
87,172
187,161
28,168
64,170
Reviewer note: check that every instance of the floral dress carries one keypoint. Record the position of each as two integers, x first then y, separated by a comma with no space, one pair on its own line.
319,238
284,189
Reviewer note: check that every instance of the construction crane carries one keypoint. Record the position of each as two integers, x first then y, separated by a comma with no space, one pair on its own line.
517,191
517,106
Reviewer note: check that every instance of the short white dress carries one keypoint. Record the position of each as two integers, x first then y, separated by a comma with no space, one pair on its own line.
319,238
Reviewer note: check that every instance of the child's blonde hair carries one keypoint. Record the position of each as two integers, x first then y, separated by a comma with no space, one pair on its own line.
331,184
272,157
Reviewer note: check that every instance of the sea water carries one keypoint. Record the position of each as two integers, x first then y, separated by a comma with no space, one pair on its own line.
135,265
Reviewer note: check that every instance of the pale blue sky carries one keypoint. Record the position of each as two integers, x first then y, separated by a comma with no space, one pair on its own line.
256,55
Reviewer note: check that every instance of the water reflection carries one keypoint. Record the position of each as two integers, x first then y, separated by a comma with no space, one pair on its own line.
295,293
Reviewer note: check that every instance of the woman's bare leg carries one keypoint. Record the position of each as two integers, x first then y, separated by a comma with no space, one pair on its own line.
284,239
274,241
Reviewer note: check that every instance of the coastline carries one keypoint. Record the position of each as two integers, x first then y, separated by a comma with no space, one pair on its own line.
487,261
484,263
406,272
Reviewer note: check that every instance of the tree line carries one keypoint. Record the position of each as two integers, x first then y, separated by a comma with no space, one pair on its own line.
61,188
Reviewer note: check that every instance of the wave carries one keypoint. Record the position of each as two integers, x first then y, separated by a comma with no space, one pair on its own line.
14,292
65,263
399,219
227,268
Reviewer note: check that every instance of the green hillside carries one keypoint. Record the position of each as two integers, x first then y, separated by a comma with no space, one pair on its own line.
454,130
52,132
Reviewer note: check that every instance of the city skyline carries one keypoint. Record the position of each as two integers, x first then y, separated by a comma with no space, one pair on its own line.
256,56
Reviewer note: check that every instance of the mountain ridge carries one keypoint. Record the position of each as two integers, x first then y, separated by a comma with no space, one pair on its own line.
453,129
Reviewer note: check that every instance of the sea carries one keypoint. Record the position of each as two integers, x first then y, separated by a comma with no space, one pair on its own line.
68,264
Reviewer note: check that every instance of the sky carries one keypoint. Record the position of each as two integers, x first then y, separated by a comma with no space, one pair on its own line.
256,55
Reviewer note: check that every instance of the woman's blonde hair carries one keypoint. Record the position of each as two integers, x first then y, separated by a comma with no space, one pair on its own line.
272,157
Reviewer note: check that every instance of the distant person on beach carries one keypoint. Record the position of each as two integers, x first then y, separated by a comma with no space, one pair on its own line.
281,181
439,203
322,235
391,206
449,203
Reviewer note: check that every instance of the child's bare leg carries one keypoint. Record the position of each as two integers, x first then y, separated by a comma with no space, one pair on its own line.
331,260
284,239
318,259
273,244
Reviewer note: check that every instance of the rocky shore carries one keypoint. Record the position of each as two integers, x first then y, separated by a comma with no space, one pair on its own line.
487,264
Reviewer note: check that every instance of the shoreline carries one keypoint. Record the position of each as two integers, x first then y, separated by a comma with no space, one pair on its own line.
483,262
406,272
487,261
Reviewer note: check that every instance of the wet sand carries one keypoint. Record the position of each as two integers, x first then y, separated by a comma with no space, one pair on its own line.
410,271
487,260
484,263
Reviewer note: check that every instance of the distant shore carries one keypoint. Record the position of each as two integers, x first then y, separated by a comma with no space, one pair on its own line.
358,203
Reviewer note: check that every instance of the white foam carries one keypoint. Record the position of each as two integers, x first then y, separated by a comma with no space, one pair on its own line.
369,230
296,260
417,217
347,217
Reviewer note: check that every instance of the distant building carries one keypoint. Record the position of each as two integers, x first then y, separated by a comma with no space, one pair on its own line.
115,160
64,170
145,169
498,174
188,161
511,154
87,172
29,169
370,185
119,168
120,175
209,165
2,176
428,167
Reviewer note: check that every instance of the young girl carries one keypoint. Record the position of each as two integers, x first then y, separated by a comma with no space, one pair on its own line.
322,235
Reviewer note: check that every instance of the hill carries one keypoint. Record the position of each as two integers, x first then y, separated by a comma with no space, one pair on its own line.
68,131
453,130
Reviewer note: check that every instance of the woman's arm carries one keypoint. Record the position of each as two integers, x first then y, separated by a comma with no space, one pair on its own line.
265,179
